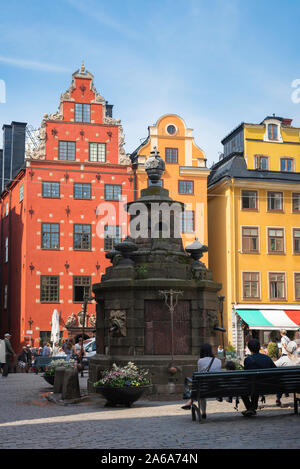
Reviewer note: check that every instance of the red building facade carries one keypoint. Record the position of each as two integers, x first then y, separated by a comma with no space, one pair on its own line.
61,214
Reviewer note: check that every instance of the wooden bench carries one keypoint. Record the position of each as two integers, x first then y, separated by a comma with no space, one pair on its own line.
40,363
247,382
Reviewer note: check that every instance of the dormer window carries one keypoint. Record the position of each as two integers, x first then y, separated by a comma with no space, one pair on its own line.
273,132
273,129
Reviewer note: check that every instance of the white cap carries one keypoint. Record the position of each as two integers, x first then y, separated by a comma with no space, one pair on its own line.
7,334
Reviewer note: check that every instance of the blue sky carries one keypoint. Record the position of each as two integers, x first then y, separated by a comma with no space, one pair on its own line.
214,63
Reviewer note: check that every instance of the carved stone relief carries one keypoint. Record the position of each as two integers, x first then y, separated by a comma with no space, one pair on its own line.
117,322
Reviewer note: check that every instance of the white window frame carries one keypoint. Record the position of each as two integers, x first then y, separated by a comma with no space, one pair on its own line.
241,239
21,193
292,234
266,136
6,250
247,298
5,297
294,280
285,285
284,239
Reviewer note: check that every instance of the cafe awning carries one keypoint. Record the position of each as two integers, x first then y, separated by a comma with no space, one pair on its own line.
269,319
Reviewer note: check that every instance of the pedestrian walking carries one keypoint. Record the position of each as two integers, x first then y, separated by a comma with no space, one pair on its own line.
284,341
64,345
56,349
46,350
69,349
29,357
9,354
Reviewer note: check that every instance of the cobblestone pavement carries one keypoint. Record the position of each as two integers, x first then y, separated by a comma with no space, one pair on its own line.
29,420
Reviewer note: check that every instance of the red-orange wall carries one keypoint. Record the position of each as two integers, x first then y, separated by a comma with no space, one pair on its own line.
27,261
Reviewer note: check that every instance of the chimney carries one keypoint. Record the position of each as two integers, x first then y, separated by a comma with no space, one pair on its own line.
108,109
286,121
6,161
13,151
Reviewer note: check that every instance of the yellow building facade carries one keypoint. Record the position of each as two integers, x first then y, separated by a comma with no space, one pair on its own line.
254,229
185,175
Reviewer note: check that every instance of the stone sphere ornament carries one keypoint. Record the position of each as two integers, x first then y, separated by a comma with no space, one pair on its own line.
154,167
126,248
196,250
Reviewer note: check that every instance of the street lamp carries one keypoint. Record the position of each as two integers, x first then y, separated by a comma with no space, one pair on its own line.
221,329
86,299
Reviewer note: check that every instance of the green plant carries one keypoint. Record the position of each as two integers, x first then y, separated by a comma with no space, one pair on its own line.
129,375
55,363
230,348
272,350
141,269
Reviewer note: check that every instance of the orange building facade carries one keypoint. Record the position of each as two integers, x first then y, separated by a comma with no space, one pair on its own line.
62,213
185,173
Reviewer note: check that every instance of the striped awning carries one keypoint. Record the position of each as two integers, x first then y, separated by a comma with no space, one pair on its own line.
270,319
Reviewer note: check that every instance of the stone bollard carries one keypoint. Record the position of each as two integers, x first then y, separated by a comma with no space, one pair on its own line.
70,389
58,379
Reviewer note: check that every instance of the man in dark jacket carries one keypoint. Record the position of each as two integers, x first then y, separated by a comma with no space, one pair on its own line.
9,353
253,362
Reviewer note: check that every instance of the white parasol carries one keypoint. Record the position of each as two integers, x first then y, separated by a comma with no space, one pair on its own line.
55,332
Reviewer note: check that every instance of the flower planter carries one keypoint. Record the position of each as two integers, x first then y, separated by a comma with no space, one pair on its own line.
125,395
49,379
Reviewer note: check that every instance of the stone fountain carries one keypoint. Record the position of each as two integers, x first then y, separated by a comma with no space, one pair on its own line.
157,303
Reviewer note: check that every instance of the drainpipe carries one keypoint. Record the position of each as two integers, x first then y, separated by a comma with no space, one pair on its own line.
134,168
1,267
9,267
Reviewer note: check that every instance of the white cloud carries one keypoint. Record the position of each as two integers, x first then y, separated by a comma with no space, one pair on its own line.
33,65
93,11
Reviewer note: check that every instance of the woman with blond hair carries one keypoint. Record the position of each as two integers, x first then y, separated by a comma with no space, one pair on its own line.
291,358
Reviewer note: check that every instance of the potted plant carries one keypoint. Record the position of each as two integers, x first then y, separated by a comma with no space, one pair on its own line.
49,373
122,385
272,350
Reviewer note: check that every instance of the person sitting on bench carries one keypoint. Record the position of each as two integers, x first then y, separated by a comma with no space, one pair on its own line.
253,362
207,362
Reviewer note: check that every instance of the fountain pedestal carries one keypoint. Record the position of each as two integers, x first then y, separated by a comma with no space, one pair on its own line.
134,322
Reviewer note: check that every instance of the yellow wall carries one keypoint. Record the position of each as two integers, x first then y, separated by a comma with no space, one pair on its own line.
191,166
226,217
274,150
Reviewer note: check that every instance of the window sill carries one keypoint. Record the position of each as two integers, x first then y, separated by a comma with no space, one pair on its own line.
49,302
277,299
250,252
276,253
251,299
